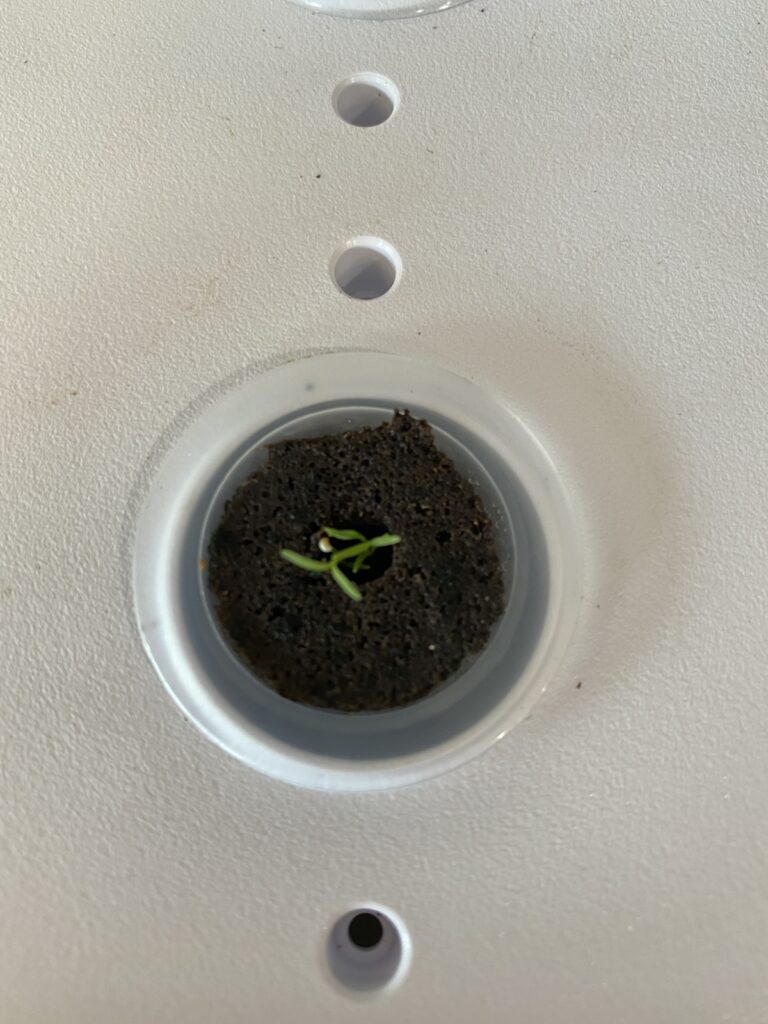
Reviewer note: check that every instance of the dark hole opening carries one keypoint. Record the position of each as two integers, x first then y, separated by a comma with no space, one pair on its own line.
378,561
365,930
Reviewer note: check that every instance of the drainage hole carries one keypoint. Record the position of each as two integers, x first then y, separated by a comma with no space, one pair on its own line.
368,949
367,268
365,100
365,930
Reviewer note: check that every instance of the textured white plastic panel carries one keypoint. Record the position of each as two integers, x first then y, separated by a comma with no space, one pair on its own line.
577,194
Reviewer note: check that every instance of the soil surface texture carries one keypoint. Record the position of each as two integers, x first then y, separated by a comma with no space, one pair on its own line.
427,603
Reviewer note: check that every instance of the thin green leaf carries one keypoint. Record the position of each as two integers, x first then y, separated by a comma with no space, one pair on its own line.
360,562
343,535
356,553
385,540
351,552
302,562
349,588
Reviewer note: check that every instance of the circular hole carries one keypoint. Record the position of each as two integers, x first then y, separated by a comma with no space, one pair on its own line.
366,100
366,268
368,949
365,930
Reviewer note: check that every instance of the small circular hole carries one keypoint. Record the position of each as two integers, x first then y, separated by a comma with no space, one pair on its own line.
365,930
368,949
366,100
366,268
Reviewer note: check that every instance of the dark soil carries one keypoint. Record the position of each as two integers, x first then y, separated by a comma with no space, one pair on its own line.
427,603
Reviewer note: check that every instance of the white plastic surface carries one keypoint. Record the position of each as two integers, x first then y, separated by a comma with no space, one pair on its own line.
577,191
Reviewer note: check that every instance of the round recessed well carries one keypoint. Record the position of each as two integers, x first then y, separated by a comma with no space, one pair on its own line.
366,267
368,950
366,100
316,747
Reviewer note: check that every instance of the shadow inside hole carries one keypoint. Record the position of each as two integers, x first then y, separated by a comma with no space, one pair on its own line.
363,105
363,273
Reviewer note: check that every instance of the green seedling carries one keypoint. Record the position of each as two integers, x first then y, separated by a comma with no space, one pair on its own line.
342,534
358,553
